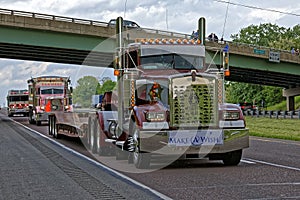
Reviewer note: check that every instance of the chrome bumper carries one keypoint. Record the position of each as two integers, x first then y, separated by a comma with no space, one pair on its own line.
158,142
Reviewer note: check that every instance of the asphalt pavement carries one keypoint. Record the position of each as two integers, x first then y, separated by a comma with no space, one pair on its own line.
36,167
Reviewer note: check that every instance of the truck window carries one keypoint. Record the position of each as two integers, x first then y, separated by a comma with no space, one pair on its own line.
52,91
172,61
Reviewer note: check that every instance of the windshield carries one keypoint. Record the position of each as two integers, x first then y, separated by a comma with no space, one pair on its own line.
18,98
172,61
52,91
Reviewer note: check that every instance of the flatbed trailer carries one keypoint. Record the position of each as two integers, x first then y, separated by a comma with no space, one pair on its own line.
72,124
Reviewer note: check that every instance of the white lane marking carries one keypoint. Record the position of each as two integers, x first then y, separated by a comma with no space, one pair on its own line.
247,161
273,164
289,142
98,164
274,184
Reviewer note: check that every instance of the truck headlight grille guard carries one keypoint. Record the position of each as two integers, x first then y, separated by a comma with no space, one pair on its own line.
193,105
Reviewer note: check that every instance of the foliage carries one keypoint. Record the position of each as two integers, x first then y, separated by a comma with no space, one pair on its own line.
288,129
242,92
259,35
86,88
107,86
282,105
270,35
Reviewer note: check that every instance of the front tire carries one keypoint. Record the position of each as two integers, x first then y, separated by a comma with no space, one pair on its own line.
232,158
141,160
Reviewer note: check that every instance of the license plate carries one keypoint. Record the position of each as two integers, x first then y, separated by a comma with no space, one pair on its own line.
195,137
20,110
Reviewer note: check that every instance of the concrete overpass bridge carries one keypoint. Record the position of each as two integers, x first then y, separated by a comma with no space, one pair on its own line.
42,37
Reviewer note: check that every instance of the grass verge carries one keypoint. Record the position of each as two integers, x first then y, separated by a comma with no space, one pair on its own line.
288,129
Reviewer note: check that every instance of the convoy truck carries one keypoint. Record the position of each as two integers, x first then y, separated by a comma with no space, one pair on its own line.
17,102
48,94
168,102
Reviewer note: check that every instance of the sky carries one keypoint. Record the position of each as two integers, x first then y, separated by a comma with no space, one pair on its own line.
181,16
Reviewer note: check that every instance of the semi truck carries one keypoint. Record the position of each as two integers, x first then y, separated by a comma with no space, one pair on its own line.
48,94
168,102
17,102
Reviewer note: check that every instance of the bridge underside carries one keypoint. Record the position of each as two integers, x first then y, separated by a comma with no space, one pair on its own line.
56,55
264,77
104,59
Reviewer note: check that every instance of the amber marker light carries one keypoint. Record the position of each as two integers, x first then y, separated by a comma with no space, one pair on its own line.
227,73
116,72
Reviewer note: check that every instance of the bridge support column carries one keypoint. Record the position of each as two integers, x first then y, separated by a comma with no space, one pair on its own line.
290,97
290,103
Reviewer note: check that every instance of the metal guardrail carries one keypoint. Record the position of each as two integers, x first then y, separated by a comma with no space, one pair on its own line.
273,114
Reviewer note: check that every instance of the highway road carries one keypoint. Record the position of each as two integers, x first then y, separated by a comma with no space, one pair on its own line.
270,169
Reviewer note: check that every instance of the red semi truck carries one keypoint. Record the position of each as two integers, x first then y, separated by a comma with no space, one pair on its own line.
47,94
168,102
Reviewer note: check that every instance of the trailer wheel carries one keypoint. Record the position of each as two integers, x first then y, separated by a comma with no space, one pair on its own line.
232,158
141,159
101,150
50,127
38,123
88,134
92,139
55,133
30,117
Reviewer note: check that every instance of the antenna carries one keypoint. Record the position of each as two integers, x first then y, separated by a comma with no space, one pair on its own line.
167,18
125,8
226,14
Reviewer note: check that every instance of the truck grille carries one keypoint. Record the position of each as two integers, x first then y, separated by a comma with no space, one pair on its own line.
193,105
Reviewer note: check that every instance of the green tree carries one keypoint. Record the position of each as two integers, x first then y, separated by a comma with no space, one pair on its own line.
87,86
262,34
270,35
107,86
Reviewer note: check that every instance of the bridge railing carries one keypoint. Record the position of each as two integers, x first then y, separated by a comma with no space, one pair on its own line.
254,51
85,22
276,114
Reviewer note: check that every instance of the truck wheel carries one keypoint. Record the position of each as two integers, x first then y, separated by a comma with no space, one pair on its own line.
55,129
38,123
55,132
88,134
50,127
101,150
232,158
92,135
30,118
141,159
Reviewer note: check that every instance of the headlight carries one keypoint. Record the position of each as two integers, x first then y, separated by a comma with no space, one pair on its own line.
155,116
231,115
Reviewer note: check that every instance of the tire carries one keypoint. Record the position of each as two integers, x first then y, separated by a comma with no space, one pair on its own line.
55,133
101,150
92,139
232,158
30,119
141,160
38,123
50,127
88,134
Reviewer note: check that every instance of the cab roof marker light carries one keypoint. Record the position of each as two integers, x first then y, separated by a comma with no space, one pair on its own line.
149,41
